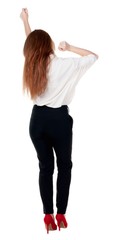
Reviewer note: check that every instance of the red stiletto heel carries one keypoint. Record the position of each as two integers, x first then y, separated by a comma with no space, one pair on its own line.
49,223
61,221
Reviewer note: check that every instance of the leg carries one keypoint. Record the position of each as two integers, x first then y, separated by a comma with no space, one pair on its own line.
45,155
46,165
63,149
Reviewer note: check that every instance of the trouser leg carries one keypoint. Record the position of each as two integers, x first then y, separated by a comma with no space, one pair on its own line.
63,149
45,155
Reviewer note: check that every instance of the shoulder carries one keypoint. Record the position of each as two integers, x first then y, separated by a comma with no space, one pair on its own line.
62,61
73,62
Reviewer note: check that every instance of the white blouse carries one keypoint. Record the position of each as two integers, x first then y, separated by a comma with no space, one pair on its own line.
63,76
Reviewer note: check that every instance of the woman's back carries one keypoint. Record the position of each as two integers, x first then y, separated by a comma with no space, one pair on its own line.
63,76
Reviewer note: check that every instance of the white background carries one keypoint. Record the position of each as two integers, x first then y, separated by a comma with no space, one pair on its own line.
101,195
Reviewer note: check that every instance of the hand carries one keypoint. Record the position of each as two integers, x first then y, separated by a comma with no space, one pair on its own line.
24,14
63,46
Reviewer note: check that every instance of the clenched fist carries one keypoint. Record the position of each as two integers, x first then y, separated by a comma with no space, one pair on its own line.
63,46
24,14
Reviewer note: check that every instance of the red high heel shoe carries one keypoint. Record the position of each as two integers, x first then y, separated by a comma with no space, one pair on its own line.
49,223
61,221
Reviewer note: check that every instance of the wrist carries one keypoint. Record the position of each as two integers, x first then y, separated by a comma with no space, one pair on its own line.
25,20
69,48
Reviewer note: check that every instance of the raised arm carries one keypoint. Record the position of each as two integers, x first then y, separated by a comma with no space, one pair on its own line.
64,46
24,16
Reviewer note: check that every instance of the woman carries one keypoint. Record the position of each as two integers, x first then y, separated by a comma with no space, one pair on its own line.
51,82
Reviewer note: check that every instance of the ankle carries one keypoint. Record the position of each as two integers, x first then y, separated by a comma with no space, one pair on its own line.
61,221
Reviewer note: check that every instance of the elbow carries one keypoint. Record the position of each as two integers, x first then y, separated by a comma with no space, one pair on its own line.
96,56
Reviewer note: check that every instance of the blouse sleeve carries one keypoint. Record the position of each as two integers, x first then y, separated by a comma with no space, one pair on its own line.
82,64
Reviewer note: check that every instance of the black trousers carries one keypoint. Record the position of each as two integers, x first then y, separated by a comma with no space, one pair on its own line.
51,132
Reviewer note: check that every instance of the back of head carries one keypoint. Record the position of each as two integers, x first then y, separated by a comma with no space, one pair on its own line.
37,48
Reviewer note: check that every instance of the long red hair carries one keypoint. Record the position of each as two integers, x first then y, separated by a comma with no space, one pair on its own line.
37,49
